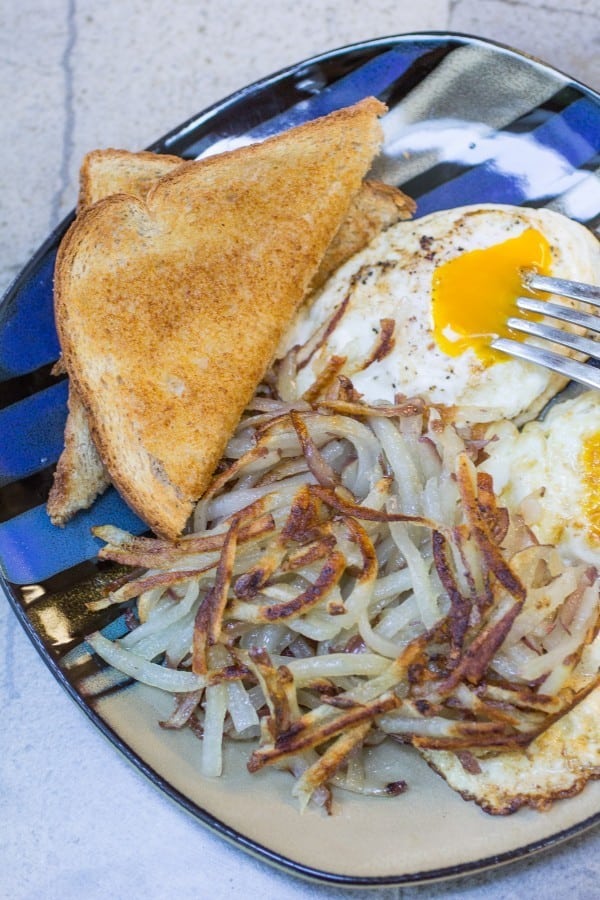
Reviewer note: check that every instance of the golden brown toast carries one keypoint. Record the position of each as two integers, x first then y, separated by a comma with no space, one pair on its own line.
374,208
80,475
107,172
170,310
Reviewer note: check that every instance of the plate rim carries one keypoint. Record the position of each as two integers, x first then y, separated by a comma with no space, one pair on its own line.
214,824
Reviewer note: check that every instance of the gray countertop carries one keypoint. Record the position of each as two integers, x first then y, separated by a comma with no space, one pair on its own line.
76,820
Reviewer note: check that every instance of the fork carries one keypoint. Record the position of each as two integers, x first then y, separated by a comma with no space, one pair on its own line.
582,372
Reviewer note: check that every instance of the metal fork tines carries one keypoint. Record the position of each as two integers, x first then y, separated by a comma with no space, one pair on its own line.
571,368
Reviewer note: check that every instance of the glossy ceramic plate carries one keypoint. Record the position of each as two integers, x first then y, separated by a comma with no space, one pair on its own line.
468,122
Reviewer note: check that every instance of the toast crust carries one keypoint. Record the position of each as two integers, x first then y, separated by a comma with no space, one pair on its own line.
80,475
107,172
170,310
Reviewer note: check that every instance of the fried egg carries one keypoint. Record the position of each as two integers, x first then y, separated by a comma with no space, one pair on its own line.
415,312
556,764
550,471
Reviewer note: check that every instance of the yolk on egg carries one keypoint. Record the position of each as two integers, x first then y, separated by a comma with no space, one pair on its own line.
474,294
589,461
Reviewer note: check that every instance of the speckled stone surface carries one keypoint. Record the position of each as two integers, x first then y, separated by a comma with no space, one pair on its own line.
76,820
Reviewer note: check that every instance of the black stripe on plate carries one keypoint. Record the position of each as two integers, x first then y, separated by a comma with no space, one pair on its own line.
18,497
592,165
58,606
540,202
438,175
87,579
421,68
553,106
266,104
594,225
58,609
108,692
14,389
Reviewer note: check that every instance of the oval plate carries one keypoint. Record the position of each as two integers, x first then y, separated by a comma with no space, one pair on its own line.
469,121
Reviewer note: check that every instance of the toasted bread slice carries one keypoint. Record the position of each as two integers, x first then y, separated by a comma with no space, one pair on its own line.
80,475
375,207
107,172
170,310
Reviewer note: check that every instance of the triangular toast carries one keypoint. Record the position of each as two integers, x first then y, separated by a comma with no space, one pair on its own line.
170,310
80,475
107,172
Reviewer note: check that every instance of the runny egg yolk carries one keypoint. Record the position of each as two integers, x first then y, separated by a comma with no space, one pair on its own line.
474,294
589,461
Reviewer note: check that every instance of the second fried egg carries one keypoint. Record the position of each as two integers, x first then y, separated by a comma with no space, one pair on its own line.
550,473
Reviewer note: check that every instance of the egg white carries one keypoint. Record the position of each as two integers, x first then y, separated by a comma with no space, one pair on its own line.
539,471
392,279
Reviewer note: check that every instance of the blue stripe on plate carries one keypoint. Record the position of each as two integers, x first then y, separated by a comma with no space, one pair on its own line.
28,337
570,137
33,549
573,133
374,78
35,428
116,629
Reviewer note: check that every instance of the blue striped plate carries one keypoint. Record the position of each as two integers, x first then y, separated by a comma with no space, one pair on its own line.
469,121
